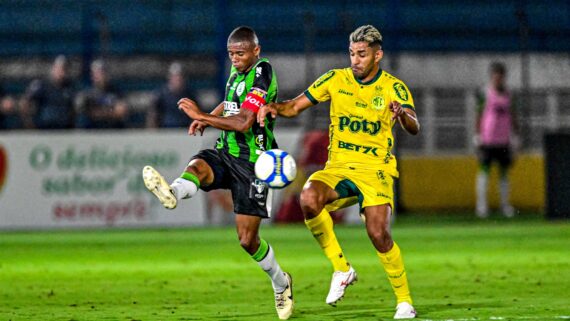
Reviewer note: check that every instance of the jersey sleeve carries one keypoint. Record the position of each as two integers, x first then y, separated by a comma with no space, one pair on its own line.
401,94
262,89
319,90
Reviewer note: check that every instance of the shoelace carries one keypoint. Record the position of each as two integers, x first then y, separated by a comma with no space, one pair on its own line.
280,300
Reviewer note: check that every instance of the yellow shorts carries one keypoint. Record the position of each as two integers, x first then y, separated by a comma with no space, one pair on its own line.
368,187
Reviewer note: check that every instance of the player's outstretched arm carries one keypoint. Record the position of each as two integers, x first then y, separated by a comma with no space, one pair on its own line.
288,108
240,122
406,116
199,126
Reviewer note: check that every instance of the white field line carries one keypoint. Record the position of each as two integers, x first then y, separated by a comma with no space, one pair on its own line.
561,317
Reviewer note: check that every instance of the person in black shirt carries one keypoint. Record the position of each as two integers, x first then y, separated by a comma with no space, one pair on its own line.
101,106
48,104
9,116
164,111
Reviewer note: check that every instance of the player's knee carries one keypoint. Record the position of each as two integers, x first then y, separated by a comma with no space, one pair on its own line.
202,170
311,202
382,239
197,165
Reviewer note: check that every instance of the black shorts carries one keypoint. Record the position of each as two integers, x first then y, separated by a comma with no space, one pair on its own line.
499,154
250,196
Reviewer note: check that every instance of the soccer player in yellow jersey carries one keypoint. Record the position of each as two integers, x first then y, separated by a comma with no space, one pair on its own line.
366,102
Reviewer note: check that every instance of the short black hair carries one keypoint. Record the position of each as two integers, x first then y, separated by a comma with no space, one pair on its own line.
498,68
243,34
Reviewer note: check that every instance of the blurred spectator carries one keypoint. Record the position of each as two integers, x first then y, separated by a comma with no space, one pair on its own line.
164,110
315,151
495,128
48,104
219,207
312,157
101,106
9,116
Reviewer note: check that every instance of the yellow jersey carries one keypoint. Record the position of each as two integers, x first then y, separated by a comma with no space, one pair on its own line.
361,124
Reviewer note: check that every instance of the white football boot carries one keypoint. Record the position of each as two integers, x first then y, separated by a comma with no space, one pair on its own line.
284,303
155,183
404,310
340,281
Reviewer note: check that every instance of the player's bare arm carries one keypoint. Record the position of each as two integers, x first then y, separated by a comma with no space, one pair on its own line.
406,116
240,122
200,126
288,108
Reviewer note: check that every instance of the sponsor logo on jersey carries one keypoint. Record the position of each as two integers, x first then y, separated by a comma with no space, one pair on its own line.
382,178
356,125
259,92
240,88
344,92
3,166
230,108
358,148
378,103
401,91
380,174
259,142
383,195
323,79
360,105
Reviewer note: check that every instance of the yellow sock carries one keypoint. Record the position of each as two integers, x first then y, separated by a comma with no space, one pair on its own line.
322,228
394,267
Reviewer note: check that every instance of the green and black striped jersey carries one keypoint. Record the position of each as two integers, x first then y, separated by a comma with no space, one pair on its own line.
250,90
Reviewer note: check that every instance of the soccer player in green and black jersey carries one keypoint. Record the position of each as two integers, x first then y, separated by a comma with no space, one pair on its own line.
252,84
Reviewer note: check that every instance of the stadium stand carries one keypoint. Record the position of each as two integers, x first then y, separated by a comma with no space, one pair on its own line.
34,27
141,38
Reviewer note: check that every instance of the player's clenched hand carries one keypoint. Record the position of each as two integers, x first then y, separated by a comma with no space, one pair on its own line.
189,107
263,111
397,109
197,126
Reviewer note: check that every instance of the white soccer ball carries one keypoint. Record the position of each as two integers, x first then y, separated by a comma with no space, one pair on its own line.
276,168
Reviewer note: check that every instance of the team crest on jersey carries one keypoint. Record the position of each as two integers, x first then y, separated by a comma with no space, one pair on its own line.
401,91
240,88
324,79
258,185
378,103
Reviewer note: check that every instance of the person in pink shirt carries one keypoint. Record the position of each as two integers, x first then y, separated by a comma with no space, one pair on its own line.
496,132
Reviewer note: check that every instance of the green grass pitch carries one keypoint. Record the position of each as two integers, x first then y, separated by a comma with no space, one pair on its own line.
459,269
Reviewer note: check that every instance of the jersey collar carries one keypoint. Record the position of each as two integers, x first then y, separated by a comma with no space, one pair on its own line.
252,66
371,81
